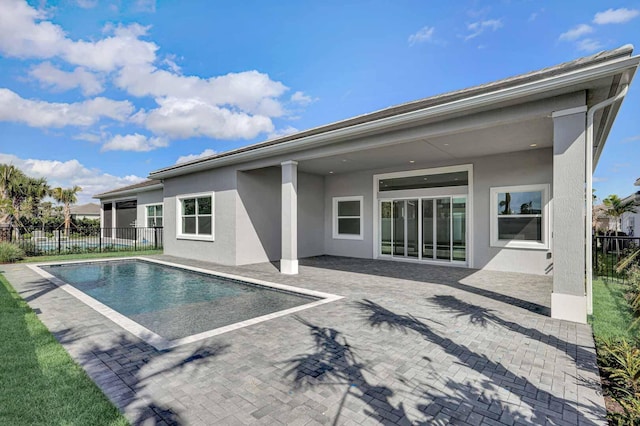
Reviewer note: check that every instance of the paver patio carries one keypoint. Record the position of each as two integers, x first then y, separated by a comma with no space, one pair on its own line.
409,344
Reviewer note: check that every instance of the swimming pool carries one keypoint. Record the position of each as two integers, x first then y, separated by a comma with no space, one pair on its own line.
168,304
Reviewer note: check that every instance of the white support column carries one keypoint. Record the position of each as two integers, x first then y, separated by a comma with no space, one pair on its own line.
289,213
568,300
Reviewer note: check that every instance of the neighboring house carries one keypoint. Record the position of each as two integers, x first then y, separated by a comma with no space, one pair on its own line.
601,221
490,177
629,222
139,205
86,211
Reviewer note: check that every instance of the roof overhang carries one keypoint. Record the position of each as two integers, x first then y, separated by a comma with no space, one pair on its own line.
619,69
128,192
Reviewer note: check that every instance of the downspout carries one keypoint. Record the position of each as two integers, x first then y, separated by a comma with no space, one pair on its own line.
589,191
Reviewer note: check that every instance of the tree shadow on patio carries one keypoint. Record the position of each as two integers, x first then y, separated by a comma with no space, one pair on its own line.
536,400
117,370
434,274
334,362
478,315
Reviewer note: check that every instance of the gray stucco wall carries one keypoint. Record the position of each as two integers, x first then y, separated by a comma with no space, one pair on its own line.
519,168
223,249
258,236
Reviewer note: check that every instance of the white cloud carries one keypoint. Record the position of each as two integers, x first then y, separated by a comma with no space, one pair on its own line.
231,106
615,16
576,32
50,76
145,5
477,28
301,98
186,158
599,179
184,118
135,142
589,45
87,4
249,90
48,114
424,34
69,173
89,137
631,139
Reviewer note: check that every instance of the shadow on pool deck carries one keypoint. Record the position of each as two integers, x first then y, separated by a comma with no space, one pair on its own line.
465,279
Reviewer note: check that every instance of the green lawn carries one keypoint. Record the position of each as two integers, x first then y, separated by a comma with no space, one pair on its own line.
611,313
39,382
81,256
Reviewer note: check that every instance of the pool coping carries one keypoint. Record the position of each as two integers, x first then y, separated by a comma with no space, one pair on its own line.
154,339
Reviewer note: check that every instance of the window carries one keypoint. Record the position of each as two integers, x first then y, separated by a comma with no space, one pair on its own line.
195,218
347,218
519,216
154,215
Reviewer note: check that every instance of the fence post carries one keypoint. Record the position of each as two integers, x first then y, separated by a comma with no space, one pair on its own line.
59,238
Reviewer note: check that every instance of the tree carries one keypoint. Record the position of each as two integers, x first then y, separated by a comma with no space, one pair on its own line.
20,194
616,207
67,197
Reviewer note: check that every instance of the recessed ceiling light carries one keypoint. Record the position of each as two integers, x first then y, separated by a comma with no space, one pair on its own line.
534,144
446,144
412,161
330,173
344,160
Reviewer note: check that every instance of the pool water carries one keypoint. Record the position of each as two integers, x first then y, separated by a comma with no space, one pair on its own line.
173,302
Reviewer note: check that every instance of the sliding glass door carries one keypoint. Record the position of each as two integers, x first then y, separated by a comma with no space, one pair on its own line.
424,228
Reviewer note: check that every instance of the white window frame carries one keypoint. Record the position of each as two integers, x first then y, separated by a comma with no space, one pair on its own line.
203,237
336,235
146,213
545,231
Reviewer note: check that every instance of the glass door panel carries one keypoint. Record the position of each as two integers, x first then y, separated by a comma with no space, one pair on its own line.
443,228
412,228
459,225
427,229
385,227
398,228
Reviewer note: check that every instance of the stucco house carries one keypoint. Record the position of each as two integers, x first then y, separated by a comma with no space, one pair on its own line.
629,222
489,177
86,211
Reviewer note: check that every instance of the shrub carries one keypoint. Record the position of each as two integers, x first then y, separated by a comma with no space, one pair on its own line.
10,253
620,363
30,248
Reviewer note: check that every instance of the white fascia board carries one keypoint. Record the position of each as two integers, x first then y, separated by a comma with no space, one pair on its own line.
128,192
575,77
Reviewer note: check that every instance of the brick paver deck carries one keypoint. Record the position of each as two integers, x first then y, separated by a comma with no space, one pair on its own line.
409,344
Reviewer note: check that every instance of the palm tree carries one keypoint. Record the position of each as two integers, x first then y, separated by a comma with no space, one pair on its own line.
615,208
19,193
66,196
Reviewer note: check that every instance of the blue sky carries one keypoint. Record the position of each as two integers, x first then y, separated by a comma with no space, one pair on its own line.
99,93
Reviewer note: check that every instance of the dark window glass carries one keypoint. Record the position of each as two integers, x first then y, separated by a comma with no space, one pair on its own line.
204,205
519,203
520,228
189,206
348,208
204,225
188,225
349,226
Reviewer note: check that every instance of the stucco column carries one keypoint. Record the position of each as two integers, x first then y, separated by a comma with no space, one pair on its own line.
568,300
289,213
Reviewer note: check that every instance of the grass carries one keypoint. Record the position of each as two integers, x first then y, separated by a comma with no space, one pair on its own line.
82,256
611,312
40,384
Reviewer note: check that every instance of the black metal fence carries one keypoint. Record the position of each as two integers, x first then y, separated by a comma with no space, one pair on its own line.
39,241
609,253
